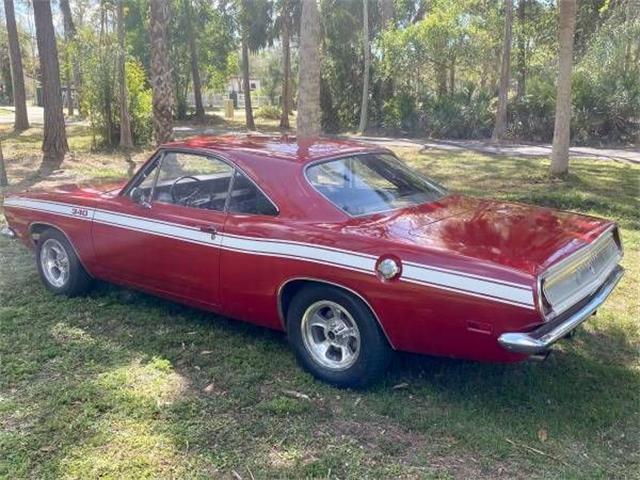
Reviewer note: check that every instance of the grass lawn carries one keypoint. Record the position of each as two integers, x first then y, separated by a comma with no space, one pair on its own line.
120,384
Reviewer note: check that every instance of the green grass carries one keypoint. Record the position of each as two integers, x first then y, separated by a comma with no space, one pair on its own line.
120,384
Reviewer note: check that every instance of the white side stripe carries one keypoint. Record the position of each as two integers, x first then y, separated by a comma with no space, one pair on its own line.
301,251
150,226
468,284
450,280
64,209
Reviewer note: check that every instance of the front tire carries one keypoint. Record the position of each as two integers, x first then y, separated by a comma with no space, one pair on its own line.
59,266
336,337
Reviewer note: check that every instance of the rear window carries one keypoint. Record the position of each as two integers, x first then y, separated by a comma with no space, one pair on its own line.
372,183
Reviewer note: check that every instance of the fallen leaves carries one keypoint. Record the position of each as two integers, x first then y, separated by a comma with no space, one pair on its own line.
294,394
543,435
209,388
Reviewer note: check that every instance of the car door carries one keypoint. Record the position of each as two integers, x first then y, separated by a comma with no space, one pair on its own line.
163,233
249,263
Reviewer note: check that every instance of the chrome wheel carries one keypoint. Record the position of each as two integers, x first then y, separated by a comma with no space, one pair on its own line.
330,335
55,263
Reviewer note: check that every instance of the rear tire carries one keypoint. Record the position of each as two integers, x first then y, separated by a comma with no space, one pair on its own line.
336,337
59,266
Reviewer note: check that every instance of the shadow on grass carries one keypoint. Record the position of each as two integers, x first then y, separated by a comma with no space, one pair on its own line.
120,381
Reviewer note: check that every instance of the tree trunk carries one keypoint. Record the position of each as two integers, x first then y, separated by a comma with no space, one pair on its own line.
4,181
126,141
501,115
522,51
17,75
70,35
386,13
193,52
286,65
246,84
441,69
452,76
308,121
367,65
160,71
54,144
561,130
387,21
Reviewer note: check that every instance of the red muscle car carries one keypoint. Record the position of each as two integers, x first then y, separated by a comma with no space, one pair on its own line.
337,243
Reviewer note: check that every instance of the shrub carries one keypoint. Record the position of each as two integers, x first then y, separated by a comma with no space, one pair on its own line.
400,113
140,103
269,112
532,116
467,113
99,93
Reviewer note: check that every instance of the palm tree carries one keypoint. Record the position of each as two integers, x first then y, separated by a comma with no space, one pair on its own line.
286,62
54,144
522,50
255,27
160,71
566,31
500,126
17,75
4,181
308,121
386,22
386,13
126,141
193,53
367,63
70,33
246,81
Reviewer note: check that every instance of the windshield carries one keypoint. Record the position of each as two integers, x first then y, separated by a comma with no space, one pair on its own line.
372,183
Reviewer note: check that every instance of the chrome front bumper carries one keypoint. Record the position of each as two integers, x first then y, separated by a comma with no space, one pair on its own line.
7,232
539,341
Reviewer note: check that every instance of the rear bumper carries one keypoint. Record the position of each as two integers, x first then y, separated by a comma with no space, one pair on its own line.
539,340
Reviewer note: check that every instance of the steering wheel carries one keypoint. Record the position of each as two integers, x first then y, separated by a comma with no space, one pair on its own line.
186,198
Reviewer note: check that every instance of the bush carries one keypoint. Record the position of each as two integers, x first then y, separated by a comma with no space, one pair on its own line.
605,110
400,113
532,116
140,103
269,112
466,114
99,94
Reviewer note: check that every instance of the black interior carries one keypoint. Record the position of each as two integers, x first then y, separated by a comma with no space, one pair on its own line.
210,192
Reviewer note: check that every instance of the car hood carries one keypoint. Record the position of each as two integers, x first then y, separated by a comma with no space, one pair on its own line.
521,237
75,191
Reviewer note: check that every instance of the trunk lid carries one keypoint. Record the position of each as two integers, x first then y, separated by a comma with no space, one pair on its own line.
521,237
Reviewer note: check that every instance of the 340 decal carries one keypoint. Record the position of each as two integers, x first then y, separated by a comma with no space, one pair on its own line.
81,212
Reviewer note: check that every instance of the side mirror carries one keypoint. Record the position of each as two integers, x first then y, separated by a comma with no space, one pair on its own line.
137,196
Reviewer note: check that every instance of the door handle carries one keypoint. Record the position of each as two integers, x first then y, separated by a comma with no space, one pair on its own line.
209,229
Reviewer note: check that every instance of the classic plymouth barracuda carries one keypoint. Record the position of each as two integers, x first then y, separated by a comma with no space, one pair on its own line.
337,243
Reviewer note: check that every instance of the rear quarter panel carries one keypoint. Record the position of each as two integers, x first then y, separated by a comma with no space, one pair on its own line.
415,318
70,213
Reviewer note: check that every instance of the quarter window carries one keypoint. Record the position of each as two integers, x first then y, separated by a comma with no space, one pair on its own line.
245,197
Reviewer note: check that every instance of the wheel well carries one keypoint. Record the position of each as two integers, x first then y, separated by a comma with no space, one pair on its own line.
290,288
36,229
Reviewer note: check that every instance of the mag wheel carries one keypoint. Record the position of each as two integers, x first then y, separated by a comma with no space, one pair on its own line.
336,337
59,266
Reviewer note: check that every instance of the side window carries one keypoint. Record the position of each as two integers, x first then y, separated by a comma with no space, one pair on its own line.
245,197
143,185
193,181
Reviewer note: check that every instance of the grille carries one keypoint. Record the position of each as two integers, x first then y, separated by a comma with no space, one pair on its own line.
581,274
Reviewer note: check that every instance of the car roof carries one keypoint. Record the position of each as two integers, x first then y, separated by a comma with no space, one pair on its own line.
283,147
